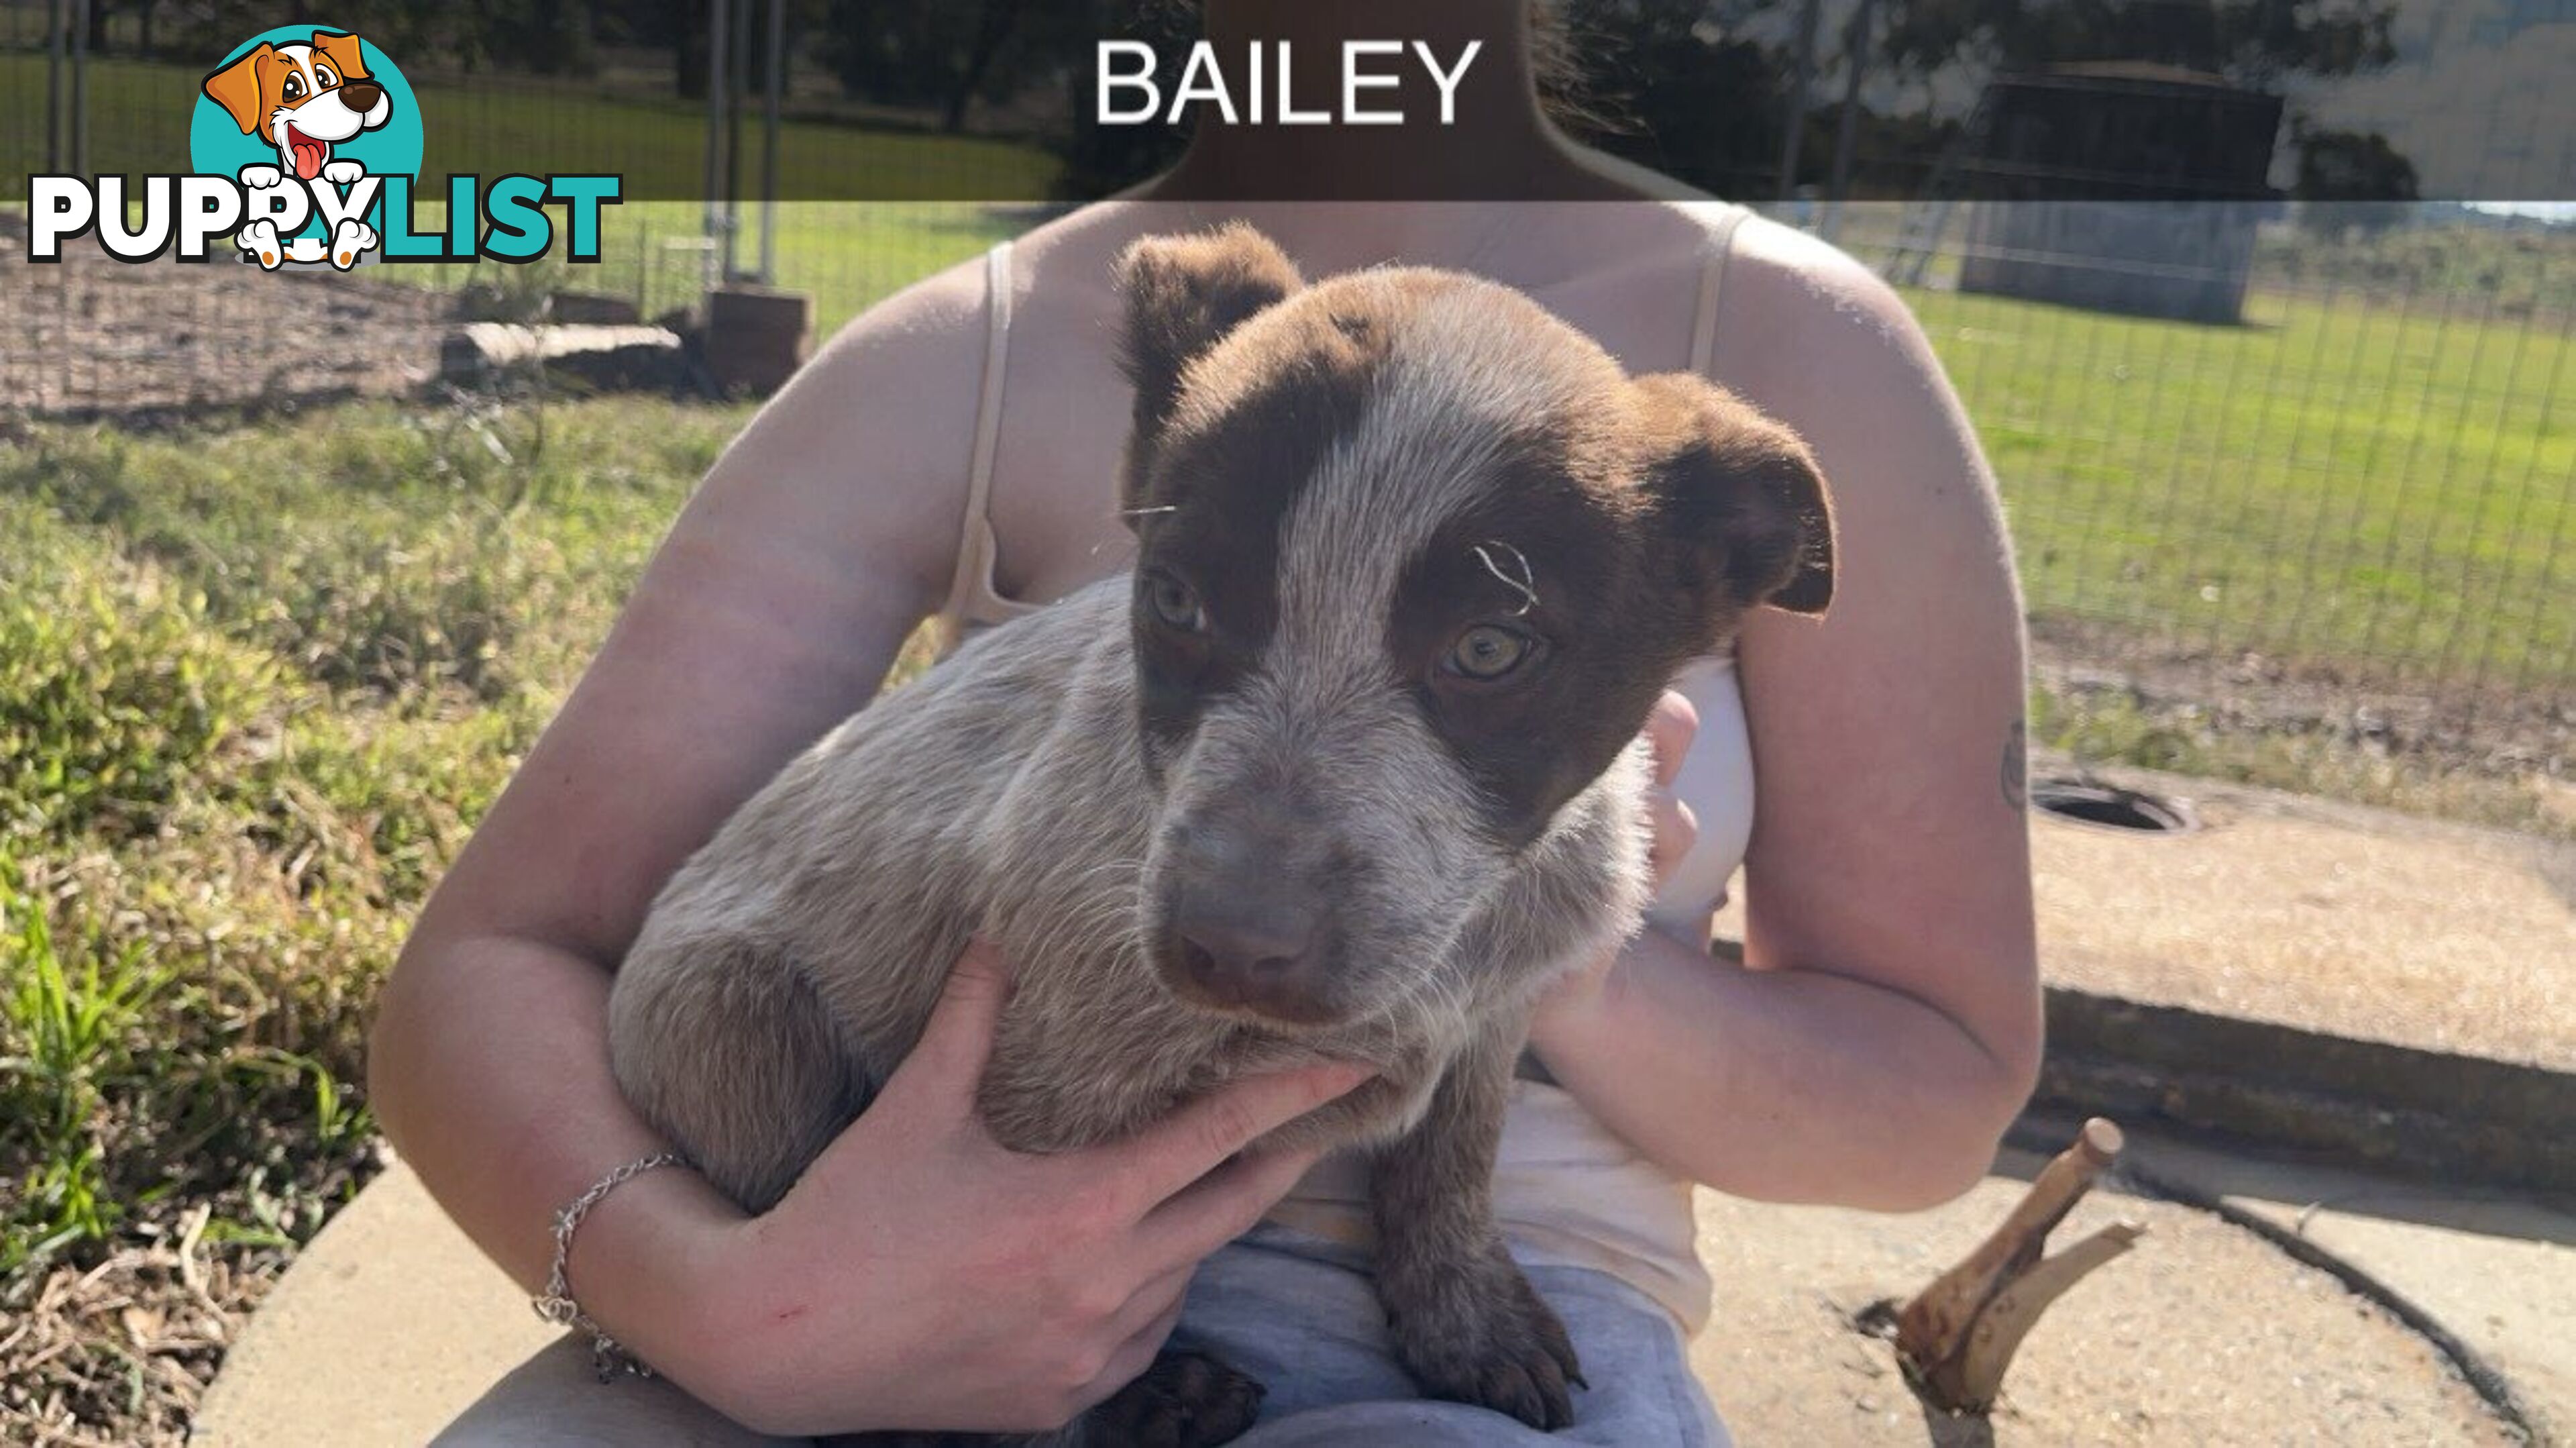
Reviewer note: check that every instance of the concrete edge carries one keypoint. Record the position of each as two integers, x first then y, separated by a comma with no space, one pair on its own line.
2398,1109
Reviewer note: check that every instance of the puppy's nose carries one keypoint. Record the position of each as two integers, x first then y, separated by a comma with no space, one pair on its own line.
1248,954
361,95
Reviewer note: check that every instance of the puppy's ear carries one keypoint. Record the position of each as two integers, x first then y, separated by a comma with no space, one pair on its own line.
1741,496
236,88
343,53
1183,295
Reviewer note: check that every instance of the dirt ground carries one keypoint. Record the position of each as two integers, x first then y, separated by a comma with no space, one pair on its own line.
90,336
2488,729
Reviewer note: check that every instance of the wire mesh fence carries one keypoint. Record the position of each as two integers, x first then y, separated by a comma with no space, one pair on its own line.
2308,462
2366,486
2366,481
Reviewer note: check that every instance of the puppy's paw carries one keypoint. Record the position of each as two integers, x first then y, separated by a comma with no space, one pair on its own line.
1185,1400
1486,1337
343,173
258,242
350,240
261,178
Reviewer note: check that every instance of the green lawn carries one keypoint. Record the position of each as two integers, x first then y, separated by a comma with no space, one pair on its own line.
255,686
846,254
2339,482
140,110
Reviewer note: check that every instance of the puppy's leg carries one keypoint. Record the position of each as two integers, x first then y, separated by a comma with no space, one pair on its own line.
1467,1323
725,1047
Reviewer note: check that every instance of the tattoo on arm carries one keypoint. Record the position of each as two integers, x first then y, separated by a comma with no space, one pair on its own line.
2016,767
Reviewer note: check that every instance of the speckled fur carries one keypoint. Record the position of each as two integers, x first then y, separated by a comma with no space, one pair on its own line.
791,964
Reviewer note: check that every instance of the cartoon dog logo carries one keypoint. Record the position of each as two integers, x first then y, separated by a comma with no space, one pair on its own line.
302,99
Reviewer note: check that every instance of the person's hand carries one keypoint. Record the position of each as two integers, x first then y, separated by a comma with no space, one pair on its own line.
1669,731
920,1276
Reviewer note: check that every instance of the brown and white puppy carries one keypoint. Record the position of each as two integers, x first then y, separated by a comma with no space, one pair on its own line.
302,99
1346,767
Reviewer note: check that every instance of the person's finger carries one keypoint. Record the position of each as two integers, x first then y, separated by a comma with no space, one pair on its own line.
1220,1206
1194,1140
1676,830
948,1062
1670,728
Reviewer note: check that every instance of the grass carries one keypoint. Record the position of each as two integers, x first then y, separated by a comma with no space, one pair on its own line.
140,113
847,255
2339,482
255,686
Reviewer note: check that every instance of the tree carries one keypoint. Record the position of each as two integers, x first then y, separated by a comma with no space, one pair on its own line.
1673,87
2350,179
2251,42
945,54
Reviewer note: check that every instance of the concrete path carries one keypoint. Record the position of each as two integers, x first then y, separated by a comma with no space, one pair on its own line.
388,1324
2353,922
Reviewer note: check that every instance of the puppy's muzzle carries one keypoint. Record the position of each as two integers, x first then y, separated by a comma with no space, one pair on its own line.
1244,930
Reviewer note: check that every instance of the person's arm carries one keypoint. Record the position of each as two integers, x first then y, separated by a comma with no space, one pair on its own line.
771,612
1885,1028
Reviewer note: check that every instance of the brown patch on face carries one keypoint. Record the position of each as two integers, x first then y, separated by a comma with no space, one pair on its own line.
1556,550
1229,459
1636,528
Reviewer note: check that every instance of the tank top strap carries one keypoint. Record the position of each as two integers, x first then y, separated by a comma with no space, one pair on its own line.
972,597
1712,278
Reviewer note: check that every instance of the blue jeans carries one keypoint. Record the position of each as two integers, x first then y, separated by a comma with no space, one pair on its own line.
1294,1311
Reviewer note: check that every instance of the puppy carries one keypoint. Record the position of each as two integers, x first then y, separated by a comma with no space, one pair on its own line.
1347,766
302,99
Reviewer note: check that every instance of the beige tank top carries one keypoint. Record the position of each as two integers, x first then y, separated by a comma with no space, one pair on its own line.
1568,1190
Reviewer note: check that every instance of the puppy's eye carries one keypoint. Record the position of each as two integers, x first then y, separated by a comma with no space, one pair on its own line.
324,77
293,90
1488,651
1174,604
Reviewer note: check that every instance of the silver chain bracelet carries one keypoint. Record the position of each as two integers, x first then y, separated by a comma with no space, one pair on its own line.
556,1304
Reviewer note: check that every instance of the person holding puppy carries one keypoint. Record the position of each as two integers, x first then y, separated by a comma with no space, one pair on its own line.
950,454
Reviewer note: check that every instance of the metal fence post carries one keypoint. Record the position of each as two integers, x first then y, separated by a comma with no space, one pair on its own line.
1796,124
80,86
717,62
773,87
56,16
740,82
